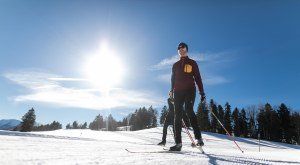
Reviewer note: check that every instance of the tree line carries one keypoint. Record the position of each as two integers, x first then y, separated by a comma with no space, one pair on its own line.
48,127
75,125
267,122
28,123
142,118
101,123
275,123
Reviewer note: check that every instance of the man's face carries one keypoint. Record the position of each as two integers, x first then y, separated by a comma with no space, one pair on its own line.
182,51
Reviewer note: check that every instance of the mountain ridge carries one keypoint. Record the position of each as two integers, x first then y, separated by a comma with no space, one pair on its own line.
8,124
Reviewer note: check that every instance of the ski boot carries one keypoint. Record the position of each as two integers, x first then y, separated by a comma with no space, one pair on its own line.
200,142
162,143
177,147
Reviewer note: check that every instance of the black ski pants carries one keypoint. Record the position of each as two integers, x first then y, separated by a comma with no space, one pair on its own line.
169,120
186,99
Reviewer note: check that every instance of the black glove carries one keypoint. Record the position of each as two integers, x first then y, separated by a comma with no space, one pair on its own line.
203,97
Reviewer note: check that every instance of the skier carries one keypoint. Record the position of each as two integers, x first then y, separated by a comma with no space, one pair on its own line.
185,73
169,120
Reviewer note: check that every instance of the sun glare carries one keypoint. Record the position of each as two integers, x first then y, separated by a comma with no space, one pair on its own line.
104,69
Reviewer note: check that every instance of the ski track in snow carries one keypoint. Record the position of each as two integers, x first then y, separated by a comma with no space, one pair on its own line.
101,147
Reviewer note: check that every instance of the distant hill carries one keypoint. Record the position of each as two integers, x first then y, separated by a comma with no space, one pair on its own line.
8,124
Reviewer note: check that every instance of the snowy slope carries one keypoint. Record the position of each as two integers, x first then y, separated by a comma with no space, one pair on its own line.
97,147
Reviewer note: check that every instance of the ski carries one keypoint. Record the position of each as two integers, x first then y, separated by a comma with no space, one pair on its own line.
201,149
198,147
193,146
165,150
148,152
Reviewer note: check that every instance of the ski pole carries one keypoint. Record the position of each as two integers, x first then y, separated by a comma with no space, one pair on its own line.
191,138
228,134
188,132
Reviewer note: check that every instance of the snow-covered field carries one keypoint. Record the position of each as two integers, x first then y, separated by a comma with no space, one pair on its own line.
97,147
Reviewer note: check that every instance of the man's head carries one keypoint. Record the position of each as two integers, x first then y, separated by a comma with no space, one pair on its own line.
182,49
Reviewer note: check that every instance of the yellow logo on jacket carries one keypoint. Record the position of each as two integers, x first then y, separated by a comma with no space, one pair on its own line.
188,68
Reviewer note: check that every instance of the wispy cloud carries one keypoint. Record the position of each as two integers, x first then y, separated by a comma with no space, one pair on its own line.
210,80
215,80
199,57
66,79
164,77
165,63
45,87
210,59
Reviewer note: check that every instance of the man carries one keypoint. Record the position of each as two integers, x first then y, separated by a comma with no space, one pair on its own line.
169,120
185,73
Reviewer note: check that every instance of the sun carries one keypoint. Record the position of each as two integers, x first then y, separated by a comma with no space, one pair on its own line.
104,70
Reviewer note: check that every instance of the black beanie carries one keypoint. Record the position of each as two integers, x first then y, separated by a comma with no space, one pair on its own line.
184,45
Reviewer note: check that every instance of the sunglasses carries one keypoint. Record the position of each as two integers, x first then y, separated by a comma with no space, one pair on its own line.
179,47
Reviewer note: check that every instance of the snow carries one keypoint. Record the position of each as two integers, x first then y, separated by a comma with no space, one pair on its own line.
104,147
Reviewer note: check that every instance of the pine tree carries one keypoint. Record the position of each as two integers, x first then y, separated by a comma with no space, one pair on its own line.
68,126
272,124
261,120
163,114
54,126
127,121
97,124
214,122
84,126
112,123
132,121
221,118
143,118
269,123
243,122
75,125
28,121
153,117
203,119
295,125
275,127
236,123
252,116
268,117
285,123
124,122
227,118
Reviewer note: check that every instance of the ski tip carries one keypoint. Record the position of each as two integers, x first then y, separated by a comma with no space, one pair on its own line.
128,150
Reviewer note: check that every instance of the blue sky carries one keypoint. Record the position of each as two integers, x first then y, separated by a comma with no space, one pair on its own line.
247,52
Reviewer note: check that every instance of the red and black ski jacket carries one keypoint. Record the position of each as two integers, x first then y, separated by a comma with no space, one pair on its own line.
185,73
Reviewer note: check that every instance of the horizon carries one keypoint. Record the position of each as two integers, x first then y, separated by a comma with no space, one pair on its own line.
71,61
